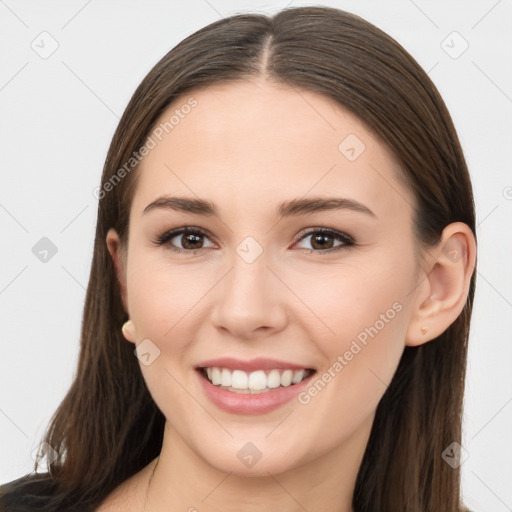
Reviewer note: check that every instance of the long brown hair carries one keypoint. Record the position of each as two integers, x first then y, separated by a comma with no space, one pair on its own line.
108,427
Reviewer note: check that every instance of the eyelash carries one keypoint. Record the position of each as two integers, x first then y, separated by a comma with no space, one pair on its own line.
347,240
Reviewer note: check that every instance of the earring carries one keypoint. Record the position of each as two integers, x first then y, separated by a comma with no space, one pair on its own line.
126,327
424,330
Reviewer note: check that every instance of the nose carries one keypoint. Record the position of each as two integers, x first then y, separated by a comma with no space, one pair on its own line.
250,300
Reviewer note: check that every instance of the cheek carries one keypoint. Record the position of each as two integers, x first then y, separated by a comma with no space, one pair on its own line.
367,318
361,362
164,302
358,302
163,297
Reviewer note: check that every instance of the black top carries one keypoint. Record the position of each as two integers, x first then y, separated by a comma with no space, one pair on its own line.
30,493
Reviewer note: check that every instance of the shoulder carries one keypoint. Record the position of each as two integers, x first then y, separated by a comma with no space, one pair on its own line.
30,492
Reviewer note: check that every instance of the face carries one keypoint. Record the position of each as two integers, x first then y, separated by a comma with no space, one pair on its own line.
275,289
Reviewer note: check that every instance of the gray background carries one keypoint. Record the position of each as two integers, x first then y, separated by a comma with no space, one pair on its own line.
59,113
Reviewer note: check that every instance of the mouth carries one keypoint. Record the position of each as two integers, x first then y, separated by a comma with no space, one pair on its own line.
255,382
256,387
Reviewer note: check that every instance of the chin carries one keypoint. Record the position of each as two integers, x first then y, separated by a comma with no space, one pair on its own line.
252,459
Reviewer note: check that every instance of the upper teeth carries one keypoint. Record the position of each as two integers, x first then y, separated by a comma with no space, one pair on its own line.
255,381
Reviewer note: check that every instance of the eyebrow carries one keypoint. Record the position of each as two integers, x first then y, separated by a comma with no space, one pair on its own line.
290,208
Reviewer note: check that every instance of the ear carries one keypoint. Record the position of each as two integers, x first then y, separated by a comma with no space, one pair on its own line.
442,293
119,258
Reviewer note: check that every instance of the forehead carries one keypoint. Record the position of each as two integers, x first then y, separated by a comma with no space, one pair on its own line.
248,144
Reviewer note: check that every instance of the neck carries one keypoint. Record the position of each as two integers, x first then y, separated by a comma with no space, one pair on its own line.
181,480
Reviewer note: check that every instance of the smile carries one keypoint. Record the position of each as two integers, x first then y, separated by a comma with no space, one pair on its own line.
252,387
260,381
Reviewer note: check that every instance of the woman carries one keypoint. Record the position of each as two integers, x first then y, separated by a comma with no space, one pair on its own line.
286,242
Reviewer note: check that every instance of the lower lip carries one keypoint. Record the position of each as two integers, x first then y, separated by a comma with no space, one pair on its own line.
247,404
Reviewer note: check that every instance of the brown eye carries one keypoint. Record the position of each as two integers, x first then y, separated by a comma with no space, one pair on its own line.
323,240
191,241
183,240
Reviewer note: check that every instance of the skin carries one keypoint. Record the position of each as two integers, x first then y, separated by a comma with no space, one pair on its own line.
249,146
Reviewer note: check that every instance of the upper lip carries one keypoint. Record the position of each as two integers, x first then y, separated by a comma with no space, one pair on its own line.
260,363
